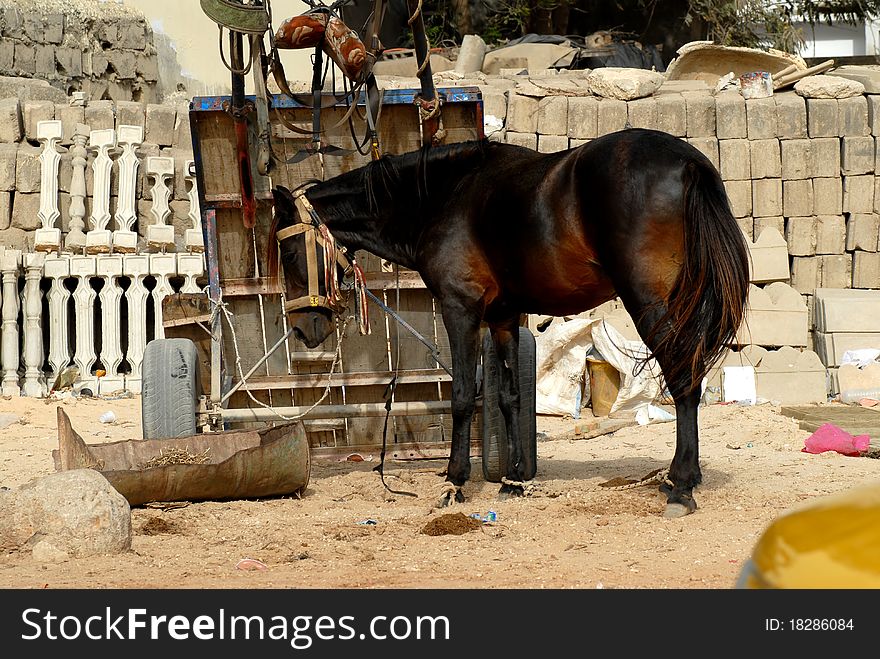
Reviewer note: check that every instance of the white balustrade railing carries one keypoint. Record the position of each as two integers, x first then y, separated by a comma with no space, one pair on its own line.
97,296
85,327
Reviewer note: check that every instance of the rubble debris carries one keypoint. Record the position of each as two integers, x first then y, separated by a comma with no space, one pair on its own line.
828,86
624,84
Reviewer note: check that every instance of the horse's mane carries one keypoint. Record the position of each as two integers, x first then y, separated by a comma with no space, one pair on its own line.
398,177
402,179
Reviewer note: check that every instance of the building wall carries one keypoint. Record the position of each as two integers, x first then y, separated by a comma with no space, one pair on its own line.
188,45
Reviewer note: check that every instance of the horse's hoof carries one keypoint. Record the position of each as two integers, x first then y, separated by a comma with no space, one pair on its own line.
510,492
680,508
674,510
450,498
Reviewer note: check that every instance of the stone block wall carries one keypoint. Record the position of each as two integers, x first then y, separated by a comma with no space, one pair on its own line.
807,168
102,48
166,133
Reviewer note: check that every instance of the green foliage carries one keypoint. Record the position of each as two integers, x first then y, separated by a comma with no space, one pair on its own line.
765,22
730,22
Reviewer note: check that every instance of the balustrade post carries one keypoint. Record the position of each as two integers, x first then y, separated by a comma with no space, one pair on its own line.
110,269
48,237
83,268
136,267
58,269
9,265
34,384
160,235
125,238
100,240
76,237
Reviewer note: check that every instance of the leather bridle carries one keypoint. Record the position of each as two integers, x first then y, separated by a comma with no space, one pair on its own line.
316,234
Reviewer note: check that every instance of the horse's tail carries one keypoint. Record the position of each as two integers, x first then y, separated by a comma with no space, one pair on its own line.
708,299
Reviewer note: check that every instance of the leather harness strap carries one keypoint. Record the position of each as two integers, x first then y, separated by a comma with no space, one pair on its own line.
315,234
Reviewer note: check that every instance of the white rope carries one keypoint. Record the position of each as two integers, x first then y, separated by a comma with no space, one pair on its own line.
228,315
449,489
661,476
528,487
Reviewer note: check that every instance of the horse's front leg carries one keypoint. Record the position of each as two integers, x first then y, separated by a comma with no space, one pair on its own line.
506,339
463,328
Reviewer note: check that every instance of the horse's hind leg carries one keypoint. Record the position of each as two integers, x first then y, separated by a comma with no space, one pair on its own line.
506,339
684,472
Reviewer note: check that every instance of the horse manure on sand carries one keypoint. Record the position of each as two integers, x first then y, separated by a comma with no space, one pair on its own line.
451,524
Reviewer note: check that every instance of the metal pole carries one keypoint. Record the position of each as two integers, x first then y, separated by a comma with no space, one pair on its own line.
337,411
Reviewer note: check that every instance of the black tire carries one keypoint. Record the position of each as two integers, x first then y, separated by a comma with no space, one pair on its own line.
494,429
170,388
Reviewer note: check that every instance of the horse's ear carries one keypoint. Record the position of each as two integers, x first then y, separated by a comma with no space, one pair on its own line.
283,200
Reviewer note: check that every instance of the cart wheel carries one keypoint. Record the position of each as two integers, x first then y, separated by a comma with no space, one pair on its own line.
170,388
494,429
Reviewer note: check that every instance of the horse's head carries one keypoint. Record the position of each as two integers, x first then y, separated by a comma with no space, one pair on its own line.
313,295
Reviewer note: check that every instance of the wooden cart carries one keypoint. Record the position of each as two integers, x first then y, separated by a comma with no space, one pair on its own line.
239,321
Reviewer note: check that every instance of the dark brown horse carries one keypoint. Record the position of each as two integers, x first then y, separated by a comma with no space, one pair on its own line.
497,230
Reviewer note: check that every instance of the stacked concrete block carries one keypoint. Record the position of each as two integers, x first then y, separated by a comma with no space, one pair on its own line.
552,116
791,116
612,116
583,118
786,376
672,114
768,257
735,162
853,382
845,320
776,316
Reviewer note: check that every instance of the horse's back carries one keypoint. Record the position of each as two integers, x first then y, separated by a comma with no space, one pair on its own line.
560,230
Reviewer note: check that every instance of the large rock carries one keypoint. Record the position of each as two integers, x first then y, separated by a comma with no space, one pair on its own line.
624,84
30,89
77,513
828,87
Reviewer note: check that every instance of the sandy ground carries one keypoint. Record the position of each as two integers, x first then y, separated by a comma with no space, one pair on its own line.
570,533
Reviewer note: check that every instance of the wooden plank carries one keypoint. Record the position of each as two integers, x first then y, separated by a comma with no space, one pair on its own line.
416,307
216,135
253,286
235,250
387,280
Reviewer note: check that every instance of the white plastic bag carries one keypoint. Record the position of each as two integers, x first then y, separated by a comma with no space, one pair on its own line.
638,386
561,359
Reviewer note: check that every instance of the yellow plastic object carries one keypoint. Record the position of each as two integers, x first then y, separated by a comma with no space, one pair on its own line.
604,386
830,543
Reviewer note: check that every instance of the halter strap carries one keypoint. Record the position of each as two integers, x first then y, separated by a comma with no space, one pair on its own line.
316,233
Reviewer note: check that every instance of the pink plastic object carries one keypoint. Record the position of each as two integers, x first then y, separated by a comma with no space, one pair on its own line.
831,438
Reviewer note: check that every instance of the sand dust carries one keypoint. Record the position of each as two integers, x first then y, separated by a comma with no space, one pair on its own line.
570,533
